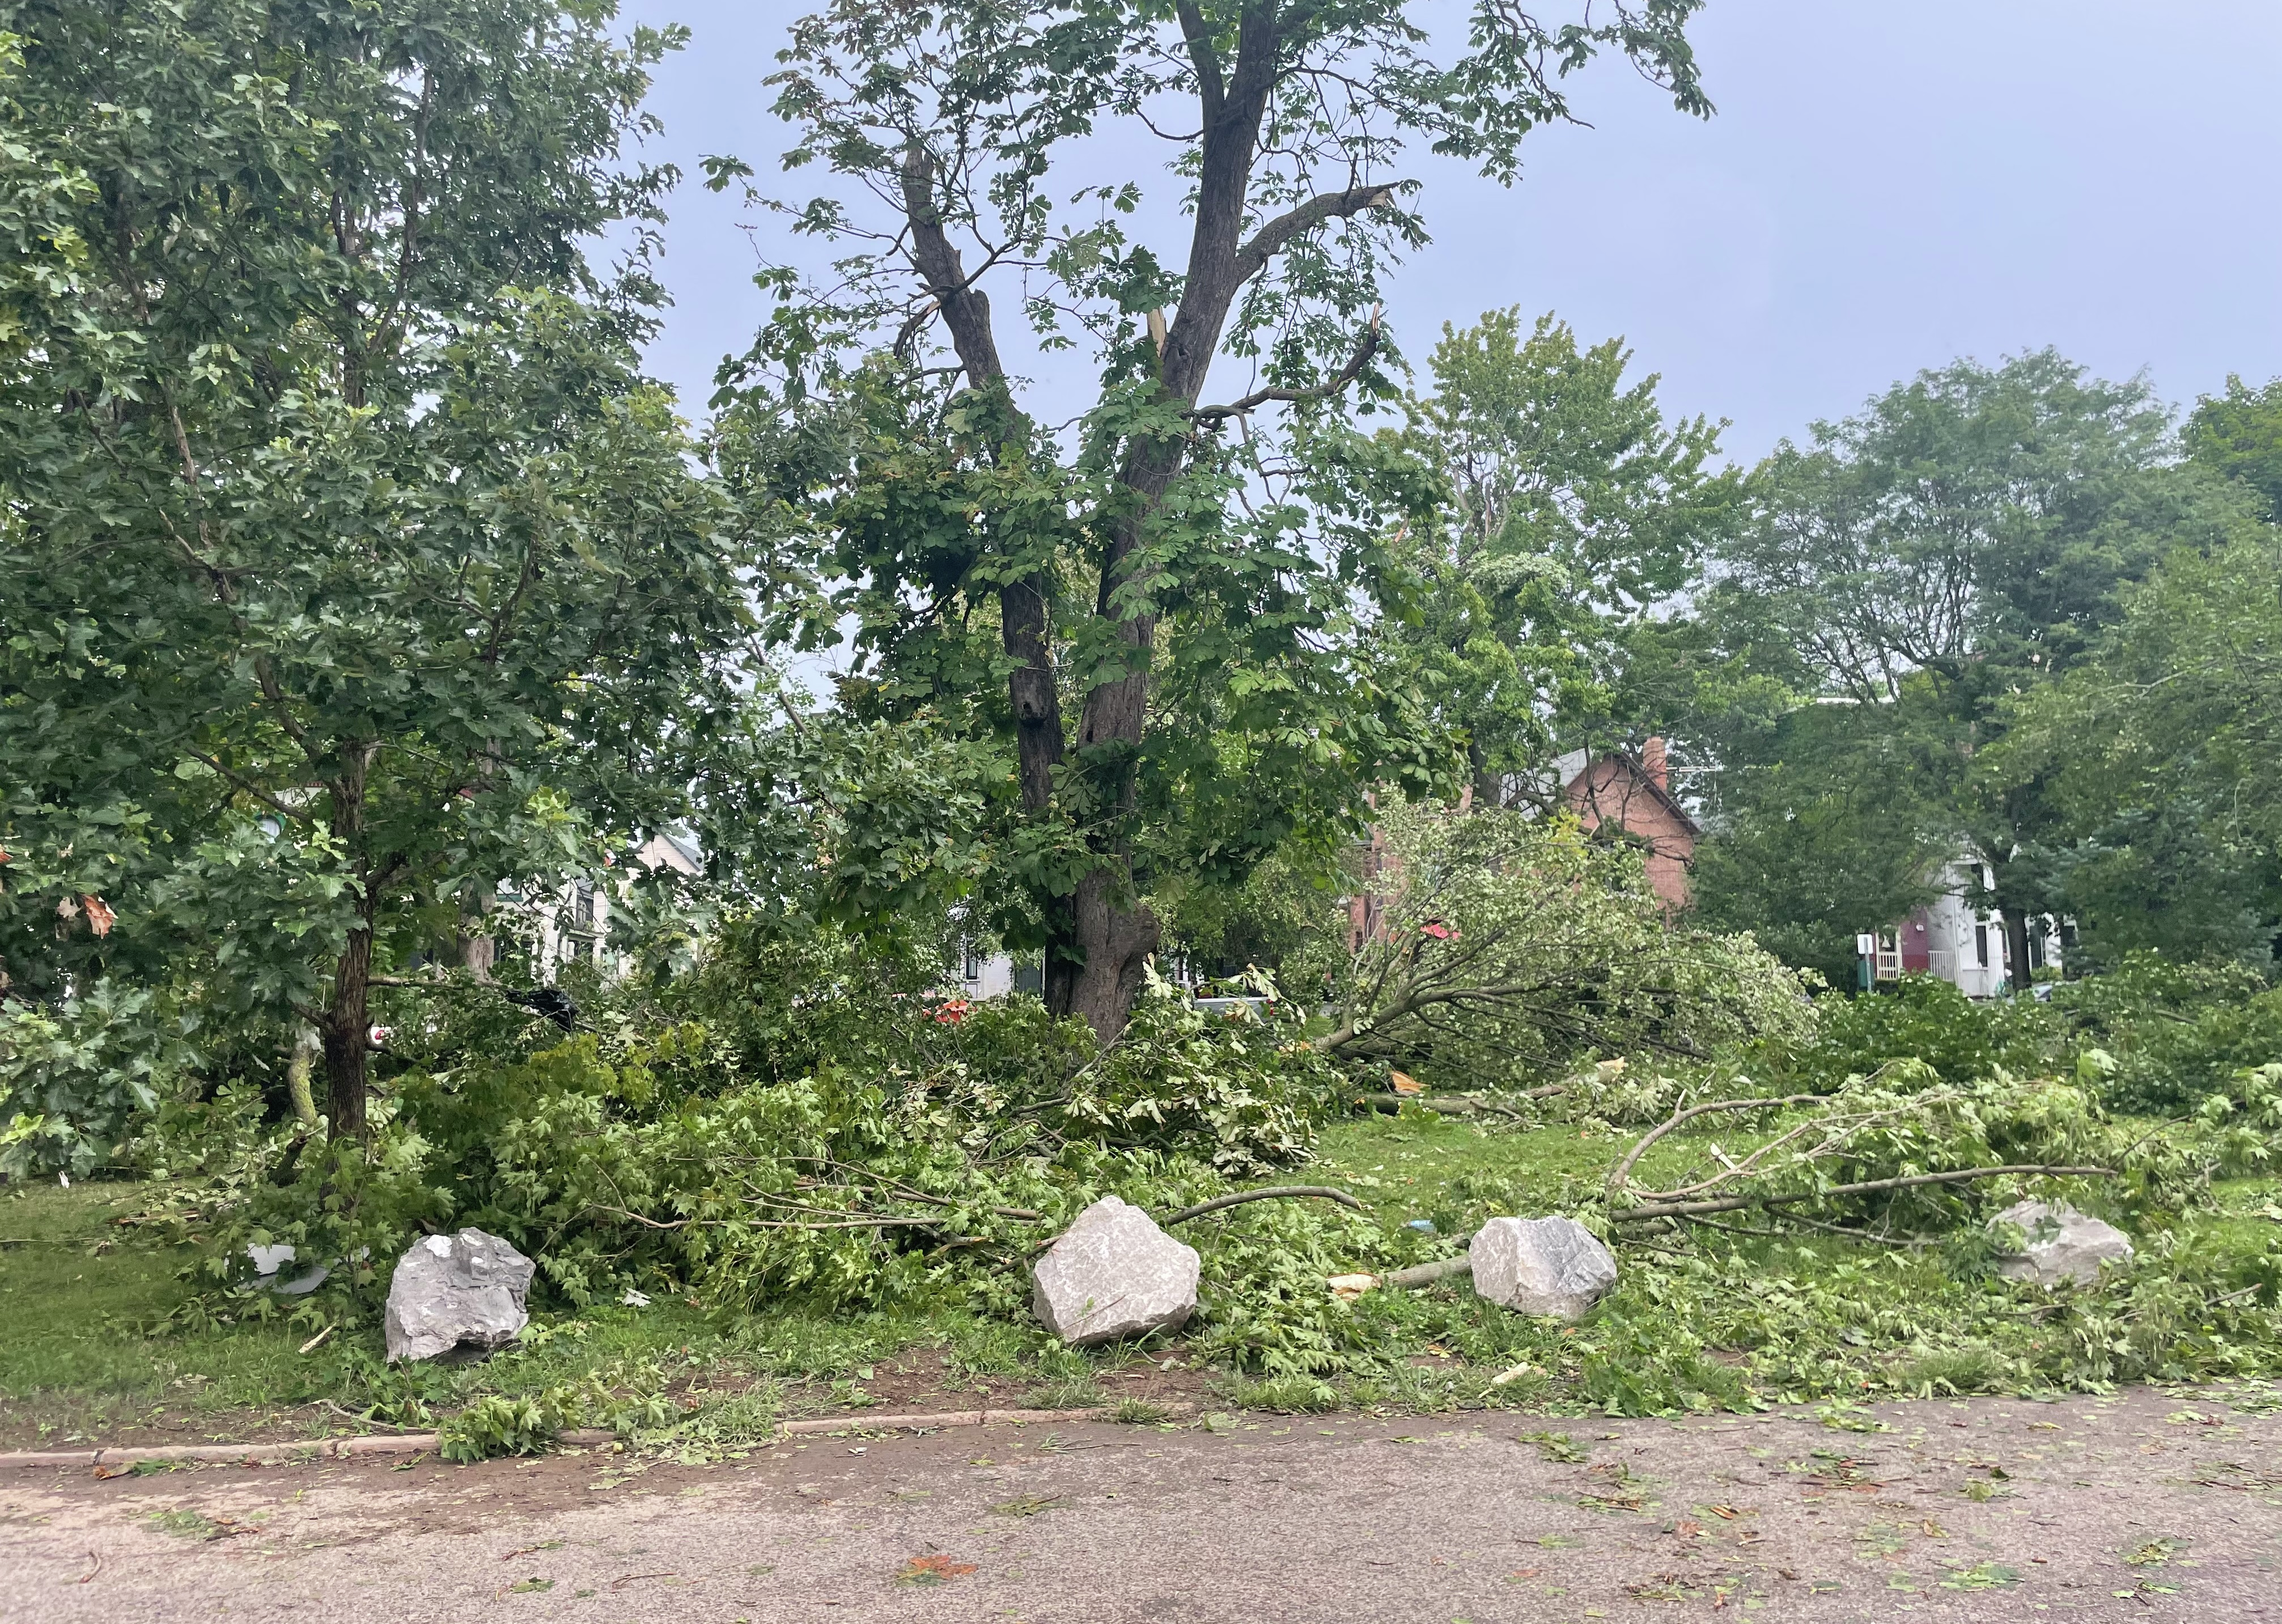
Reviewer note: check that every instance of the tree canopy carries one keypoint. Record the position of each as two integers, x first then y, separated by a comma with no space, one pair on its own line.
352,570
1146,615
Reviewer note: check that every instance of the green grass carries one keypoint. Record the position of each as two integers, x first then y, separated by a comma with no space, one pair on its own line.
1718,1322
79,1359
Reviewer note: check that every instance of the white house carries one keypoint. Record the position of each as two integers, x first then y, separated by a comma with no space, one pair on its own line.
577,926
1950,938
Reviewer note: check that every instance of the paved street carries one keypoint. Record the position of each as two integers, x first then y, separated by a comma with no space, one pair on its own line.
2145,1506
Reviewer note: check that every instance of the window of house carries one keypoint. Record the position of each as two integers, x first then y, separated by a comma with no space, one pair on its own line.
973,962
582,906
1981,944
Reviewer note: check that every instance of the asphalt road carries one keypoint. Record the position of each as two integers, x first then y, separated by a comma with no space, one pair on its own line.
2143,1505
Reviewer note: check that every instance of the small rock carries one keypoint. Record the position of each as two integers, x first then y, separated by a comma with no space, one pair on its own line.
456,1291
1551,1266
2063,1243
1113,1273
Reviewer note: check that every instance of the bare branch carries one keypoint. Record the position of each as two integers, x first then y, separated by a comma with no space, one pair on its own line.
1323,1191
1737,1203
1618,1173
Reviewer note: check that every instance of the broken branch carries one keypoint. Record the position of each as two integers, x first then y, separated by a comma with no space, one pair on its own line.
1618,1173
1322,1192
1365,348
1426,1274
1738,1203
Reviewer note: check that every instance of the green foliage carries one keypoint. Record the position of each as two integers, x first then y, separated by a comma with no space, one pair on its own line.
1830,824
72,1077
1928,1022
830,1138
1512,945
350,568
1574,512
2238,435
2155,752
2175,1033
1967,536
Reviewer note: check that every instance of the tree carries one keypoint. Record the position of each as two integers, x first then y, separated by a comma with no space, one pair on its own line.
1150,615
2238,435
1576,512
350,569
1829,822
2159,750
1964,538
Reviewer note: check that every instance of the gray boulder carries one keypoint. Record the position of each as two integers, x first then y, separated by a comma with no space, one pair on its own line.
1113,1273
2062,1244
1549,1266
456,1291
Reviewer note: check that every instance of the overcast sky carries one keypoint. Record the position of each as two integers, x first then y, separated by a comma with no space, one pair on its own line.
1888,184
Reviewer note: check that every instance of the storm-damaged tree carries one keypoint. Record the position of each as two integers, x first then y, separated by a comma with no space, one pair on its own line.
1148,614
349,567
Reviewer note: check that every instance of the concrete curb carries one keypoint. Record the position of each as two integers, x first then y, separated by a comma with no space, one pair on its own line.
421,1443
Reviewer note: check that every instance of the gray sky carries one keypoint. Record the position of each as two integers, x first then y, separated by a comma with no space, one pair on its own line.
1888,184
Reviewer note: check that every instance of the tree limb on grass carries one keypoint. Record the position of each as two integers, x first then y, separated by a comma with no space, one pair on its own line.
1321,1192
1618,1173
1426,1274
1738,1203
1462,1105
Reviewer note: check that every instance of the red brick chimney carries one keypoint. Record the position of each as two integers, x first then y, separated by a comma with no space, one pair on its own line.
1652,764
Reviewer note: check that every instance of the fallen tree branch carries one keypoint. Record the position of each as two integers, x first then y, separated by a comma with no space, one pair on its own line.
1813,1224
1618,1173
1447,1105
1325,1191
1738,1203
1426,1274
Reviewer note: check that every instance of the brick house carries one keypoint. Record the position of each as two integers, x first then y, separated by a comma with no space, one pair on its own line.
1633,793
1611,790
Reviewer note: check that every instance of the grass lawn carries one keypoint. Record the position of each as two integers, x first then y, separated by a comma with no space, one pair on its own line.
1712,1321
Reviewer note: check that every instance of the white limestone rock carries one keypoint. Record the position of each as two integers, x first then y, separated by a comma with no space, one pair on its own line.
2062,1244
1113,1273
1548,1266
456,1291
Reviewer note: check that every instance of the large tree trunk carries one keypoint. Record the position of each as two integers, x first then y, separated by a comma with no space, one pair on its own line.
2016,942
1099,937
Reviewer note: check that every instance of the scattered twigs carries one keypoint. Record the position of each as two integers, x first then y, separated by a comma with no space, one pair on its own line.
1322,1192
1680,1118
1738,1203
